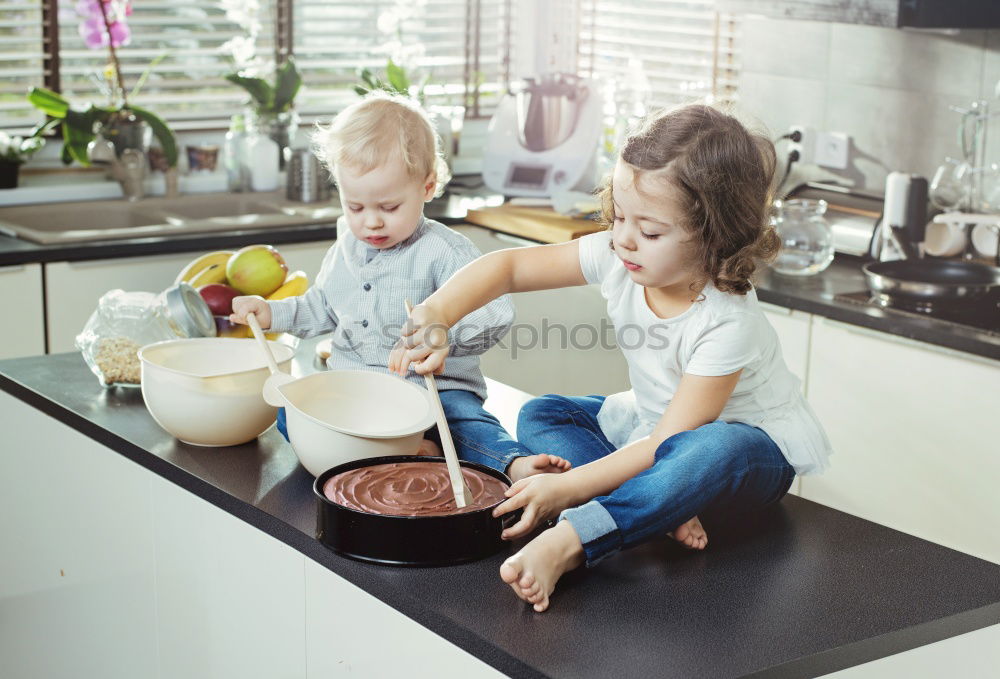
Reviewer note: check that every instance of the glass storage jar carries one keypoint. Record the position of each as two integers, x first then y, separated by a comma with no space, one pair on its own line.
124,322
806,238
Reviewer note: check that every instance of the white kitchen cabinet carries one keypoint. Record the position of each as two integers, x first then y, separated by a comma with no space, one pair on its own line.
793,328
915,431
73,288
77,575
562,340
21,290
230,599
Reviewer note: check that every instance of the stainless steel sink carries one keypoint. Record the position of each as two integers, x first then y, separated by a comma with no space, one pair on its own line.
117,219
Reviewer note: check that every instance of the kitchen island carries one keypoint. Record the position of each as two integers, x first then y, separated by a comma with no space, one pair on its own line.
128,553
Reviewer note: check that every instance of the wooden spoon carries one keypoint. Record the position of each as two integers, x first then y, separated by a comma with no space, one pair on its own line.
271,393
462,495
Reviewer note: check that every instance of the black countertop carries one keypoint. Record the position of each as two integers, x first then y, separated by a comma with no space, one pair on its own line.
812,294
795,591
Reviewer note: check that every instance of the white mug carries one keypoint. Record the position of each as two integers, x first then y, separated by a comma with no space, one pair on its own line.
985,239
944,240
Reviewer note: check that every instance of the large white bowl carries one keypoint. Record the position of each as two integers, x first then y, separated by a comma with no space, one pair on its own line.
345,415
208,391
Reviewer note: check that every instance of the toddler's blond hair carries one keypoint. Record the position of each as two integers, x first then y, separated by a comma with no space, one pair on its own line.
379,128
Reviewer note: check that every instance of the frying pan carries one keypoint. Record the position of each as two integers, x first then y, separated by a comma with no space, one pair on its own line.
925,280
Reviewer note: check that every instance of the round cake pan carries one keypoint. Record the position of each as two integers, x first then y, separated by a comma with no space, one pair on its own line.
409,540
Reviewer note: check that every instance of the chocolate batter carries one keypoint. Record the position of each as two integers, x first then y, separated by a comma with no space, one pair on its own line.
410,489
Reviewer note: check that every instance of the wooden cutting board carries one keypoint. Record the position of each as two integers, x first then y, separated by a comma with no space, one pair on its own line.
535,223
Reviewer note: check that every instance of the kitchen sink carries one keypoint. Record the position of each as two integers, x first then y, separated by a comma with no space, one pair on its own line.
78,222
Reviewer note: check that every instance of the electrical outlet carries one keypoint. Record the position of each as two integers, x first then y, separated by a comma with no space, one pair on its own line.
806,146
832,150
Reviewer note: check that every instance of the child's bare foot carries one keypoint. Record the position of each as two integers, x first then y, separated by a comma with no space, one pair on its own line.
529,465
691,534
533,572
428,447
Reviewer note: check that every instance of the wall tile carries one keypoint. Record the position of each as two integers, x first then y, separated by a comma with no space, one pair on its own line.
908,60
779,102
892,129
797,49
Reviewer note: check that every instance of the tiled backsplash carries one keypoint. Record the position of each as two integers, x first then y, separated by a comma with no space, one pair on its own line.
889,89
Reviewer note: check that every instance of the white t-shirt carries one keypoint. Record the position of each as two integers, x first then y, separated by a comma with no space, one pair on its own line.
718,335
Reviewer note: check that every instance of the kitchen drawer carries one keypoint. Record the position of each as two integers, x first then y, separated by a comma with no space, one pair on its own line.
73,288
21,290
793,329
915,435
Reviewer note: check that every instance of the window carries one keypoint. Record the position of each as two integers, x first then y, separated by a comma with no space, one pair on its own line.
455,44
685,49
22,62
462,46
187,84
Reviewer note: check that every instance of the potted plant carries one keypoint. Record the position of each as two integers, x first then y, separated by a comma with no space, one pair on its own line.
103,24
270,103
14,151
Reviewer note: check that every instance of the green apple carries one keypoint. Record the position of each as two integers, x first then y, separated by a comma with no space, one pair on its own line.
256,270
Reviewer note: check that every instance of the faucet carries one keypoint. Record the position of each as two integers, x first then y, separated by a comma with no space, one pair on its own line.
129,169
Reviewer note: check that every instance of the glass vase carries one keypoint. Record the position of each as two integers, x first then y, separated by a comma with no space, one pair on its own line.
806,238
281,127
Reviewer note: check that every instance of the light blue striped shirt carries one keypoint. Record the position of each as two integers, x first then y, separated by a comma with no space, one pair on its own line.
359,296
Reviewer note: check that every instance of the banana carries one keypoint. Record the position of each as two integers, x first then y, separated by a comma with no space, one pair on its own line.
213,273
219,257
295,284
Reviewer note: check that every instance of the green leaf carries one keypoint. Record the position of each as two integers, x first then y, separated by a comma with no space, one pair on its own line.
162,133
45,128
48,102
75,140
258,89
67,158
287,84
397,77
368,79
358,89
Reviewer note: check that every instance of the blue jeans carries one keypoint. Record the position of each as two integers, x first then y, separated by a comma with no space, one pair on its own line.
478,435
717,468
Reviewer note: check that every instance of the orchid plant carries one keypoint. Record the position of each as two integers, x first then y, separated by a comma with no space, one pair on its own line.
102,24
17,150
401,57
272,88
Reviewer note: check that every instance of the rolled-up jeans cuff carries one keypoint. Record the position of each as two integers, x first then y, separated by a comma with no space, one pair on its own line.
597,531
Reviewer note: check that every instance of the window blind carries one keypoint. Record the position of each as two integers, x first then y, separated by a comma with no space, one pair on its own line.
22,57
685,48
186,86
456,44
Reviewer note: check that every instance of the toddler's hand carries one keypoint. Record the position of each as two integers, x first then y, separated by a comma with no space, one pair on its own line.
244,305
424,343
542,496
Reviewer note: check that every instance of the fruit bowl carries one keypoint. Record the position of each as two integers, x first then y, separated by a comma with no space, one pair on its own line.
226,328
208,391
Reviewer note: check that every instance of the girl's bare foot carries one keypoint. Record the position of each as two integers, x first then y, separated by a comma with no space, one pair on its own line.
529,465
428,447
691,534
533,572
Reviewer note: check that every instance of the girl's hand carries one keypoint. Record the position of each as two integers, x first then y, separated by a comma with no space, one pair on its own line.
542,496
424,343
244,305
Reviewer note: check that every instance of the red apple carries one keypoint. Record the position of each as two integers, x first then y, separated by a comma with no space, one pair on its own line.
219,297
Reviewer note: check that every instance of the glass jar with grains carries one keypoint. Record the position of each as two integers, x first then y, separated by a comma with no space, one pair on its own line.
124,322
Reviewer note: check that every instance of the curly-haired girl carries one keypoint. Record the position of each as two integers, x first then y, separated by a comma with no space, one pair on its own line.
714,422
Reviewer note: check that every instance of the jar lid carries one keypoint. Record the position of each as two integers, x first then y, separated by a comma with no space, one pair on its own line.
188,310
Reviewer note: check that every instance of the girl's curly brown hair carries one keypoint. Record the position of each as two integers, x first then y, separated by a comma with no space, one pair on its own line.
723,174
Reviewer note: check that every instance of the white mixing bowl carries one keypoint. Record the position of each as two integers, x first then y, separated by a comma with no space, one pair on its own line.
207,391
345,415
